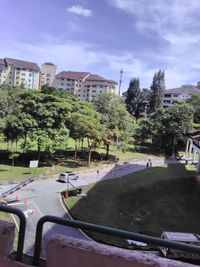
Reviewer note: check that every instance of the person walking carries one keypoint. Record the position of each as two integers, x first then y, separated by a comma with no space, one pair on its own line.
150,162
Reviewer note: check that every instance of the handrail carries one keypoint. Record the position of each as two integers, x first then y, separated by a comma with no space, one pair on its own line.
104,230
22,228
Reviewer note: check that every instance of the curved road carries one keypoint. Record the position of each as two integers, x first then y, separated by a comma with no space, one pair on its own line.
42,198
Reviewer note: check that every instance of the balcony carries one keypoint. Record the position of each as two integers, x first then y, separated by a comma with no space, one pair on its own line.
66,251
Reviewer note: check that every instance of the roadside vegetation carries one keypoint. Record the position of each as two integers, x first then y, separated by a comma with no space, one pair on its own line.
57,129
151,201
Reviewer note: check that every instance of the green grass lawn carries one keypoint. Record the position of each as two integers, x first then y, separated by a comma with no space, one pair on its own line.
8,173
150,201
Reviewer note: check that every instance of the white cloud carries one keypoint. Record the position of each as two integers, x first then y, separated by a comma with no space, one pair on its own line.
163,17
79,56
79,10
174,24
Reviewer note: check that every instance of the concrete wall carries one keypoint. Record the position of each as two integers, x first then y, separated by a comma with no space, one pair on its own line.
8,263
7,234
65,251
69,252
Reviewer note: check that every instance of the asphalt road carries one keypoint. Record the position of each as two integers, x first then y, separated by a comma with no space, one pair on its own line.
41,197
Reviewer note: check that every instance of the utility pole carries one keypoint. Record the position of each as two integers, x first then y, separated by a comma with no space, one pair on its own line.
117,139
120,81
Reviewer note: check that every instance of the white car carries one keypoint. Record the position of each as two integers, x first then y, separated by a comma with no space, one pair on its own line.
67,176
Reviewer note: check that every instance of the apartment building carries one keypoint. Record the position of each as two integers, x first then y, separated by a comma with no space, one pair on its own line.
84,85
17,72
48,73
179,94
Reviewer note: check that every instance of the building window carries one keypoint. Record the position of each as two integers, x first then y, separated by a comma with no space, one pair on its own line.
167,101
167,95
176,95
48,75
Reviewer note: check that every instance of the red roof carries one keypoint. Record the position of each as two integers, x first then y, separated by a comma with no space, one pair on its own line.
22,64
90,79
181,90
72,75
96,79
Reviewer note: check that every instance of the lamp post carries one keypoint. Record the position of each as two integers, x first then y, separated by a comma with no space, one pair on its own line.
173,149
117,139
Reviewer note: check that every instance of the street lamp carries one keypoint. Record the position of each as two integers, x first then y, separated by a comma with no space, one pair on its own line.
117,140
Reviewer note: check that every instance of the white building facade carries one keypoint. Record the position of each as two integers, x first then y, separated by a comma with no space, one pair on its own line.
48,73
179,94
84,85
16,72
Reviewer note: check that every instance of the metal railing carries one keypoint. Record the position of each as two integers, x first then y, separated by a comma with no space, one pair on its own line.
107,231
85,226
22,228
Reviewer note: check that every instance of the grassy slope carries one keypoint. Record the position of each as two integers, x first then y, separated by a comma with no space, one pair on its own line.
149,201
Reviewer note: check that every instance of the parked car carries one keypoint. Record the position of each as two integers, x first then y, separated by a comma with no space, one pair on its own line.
67,176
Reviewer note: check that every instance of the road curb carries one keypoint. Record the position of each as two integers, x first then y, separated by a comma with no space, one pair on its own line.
66,210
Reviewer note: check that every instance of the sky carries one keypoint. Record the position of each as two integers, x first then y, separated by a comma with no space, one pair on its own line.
105,36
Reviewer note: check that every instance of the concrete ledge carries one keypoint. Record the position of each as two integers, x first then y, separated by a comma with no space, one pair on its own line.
9,263
7,235
70,252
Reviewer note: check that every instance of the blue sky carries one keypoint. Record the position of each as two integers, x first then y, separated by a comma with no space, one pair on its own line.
103,36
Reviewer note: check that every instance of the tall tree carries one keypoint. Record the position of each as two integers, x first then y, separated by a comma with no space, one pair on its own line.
132,99
115,120
169,126
157,90
194,101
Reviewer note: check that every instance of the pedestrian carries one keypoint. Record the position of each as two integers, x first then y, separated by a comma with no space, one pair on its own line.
97,172
147,164
150,162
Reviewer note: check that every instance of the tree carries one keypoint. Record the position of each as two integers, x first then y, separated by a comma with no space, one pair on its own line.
13,156
157,91
84,123
115,120
133,97
169,126
46,116
142,131
194,101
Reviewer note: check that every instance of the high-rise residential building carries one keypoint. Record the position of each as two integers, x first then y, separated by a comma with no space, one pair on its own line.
84,85
48,73
17,72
